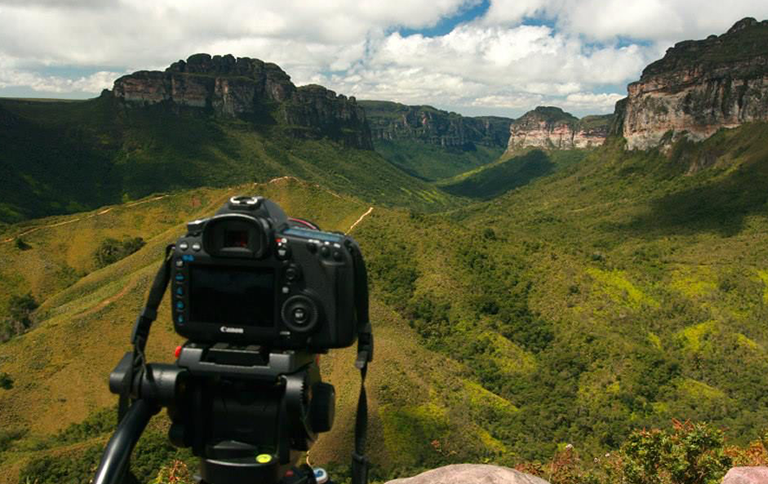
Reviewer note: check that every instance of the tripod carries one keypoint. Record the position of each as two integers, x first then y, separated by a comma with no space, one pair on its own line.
247,413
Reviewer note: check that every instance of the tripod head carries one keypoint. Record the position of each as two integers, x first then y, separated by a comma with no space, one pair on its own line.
246,413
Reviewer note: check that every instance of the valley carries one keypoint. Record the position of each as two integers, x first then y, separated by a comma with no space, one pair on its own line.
526,294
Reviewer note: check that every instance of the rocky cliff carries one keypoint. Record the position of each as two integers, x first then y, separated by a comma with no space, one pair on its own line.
549,127
700,87
230,87
391,121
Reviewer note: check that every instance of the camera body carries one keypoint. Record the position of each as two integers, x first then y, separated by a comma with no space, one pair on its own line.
249,275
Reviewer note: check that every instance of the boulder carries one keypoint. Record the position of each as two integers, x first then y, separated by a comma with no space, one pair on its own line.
471,474
747,475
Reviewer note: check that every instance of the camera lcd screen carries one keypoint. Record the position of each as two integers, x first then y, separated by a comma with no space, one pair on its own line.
232,295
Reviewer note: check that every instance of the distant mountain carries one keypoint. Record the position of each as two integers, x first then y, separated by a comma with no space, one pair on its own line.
549,127
392,121
699,87
248,88
431,143
206,121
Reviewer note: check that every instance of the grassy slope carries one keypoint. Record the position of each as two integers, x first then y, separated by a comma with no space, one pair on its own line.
508,173
430,162
614,293
67,157
60,367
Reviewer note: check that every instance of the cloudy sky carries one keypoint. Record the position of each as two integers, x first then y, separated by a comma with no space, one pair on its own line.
471,56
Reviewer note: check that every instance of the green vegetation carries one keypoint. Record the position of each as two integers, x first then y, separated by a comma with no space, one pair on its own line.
612,292
19,319
6,382
432,163
112,250
100,152
507,174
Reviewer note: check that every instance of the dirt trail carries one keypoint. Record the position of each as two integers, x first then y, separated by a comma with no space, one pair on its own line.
66,222
360,219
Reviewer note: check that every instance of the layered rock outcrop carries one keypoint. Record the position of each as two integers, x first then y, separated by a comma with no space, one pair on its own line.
230,87
393,121
549,127
700,87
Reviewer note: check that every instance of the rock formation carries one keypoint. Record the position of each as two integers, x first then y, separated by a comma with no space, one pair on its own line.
471,473
393,121
230,87
700,87
550,127
746,475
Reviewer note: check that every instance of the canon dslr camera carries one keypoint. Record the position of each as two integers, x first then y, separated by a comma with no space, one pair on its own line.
258,295
251,275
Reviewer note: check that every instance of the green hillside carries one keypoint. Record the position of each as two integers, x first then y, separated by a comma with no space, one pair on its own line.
616,291
67,157
508,173
432,144
432,163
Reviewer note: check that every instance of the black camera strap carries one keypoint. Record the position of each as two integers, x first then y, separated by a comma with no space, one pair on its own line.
140,333
360,464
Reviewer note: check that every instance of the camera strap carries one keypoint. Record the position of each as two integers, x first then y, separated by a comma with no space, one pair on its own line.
361,464
140,333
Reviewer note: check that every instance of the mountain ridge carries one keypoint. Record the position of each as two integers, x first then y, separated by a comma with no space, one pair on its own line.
699,87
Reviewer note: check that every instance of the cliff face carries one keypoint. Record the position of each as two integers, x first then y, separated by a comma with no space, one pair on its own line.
700,87
548,127
251,89
392,121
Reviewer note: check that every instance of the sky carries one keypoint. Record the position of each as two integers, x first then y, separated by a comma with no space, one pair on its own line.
474,57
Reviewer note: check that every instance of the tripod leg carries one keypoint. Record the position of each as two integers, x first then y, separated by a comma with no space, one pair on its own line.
114,462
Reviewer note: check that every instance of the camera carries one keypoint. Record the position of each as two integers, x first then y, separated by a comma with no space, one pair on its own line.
257,295
251,275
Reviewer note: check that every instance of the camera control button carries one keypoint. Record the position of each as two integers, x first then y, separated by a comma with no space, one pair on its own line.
292,274
179,276
300,314
325,251
179,305
311,247
337,255
196,247
286,289
283,252
179,291
179,262
183,246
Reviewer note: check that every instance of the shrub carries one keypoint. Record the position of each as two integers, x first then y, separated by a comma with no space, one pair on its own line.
112,250
689,453
6,382
19,318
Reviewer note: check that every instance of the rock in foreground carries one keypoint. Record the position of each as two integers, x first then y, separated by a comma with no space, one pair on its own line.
472,474
746,475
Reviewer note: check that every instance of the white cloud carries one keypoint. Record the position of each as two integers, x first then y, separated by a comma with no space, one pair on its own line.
652,20
354,48
92,84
